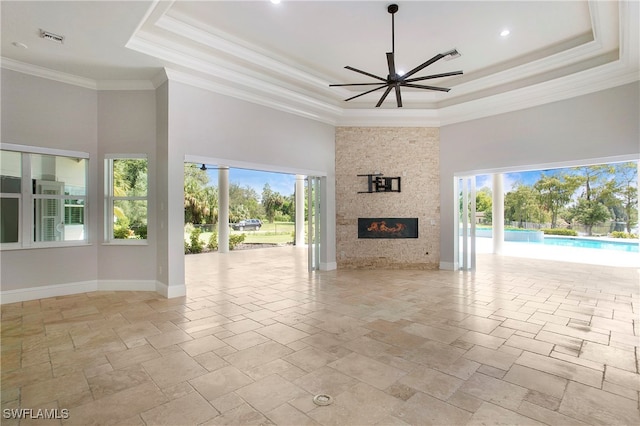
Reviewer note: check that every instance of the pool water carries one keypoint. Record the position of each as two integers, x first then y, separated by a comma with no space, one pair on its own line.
591,243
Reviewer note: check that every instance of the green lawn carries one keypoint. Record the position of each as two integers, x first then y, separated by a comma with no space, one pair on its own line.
269,233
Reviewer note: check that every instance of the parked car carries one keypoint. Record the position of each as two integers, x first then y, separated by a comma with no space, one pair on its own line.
247,225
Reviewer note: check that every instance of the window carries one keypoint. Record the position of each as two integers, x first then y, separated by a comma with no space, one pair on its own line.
126,199
43,197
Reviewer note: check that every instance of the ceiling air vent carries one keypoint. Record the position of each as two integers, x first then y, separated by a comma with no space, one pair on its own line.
51,36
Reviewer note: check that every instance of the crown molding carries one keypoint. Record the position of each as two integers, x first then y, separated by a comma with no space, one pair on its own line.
125,85
74,80
251,96
47,73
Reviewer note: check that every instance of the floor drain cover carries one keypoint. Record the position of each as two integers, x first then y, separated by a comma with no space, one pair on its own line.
322,399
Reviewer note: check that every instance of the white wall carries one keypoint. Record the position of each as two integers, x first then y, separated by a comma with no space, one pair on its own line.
127,125
209,125
595,126
44,113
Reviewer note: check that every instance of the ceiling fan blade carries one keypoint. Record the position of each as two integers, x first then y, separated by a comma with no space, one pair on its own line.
446,74
391,64
365,73
419,86
398,96
364,93
422,66
355,84
384,95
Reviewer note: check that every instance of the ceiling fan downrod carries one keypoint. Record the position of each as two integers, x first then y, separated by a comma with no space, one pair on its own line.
392,9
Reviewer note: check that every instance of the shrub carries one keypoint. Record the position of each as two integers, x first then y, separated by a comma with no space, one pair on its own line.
196,245
188,227
560,231
621,234
235,239
187,249
141,231
121,232
213,241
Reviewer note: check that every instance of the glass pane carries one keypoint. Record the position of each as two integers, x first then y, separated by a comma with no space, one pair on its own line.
130,177
49,220
130,219
67,172
59,220
10,171
73,212
9,219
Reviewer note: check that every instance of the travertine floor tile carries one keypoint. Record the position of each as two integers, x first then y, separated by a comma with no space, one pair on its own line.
368,370
270,392
426,410
592,405
493,390
518,341
432,382
491,414
172,369
536,380
191,409
220,382
361,404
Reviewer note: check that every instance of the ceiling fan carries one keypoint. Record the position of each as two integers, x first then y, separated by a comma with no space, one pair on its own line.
395,80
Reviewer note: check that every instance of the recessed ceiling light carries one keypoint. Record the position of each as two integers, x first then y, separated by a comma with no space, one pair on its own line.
275,1
505,33
20,45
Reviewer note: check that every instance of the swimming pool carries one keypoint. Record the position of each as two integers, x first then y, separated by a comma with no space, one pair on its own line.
591,243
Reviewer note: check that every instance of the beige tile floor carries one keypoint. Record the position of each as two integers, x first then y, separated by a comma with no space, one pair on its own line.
517,342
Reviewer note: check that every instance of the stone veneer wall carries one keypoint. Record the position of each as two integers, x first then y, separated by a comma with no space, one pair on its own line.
414,155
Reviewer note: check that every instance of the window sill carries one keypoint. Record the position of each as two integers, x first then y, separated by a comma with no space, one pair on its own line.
14,247
126,243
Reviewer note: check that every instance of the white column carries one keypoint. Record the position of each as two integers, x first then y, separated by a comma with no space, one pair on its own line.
299,211
497,213
223,210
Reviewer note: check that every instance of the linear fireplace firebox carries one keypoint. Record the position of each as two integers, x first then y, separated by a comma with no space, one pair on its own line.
383,227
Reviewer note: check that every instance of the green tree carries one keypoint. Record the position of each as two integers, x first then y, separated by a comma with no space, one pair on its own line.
200,200
484,203
555,192
599,188
246,197
130,179
271,201
627,193
589,213
522,205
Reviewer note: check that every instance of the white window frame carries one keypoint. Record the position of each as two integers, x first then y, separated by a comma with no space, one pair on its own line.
110,198
27,199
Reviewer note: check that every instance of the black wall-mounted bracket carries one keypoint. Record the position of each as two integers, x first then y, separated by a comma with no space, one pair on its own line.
378,183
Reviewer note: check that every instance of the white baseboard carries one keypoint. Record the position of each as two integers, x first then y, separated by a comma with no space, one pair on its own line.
328,266
33,293
448,266
171,291
127,285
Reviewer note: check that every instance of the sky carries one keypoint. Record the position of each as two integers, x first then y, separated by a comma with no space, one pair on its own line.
510,179
279,182
285,183
525,178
